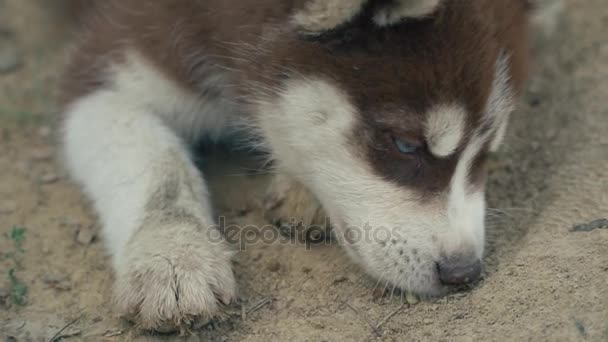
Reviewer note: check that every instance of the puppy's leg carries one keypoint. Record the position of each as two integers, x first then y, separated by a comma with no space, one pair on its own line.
295,210
173,269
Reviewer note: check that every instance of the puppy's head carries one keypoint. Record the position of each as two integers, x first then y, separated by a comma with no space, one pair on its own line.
387,111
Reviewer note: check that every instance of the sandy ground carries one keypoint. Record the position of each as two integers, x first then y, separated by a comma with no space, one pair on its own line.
543,281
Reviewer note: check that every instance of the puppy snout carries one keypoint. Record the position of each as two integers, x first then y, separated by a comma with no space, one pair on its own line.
459,269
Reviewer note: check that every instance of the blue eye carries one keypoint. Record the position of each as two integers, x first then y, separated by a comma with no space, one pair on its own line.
404,147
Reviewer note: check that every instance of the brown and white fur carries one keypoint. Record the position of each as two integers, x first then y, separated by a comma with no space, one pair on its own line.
326,87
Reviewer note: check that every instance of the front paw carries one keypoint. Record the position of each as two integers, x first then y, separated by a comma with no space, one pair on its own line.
295,210
174,280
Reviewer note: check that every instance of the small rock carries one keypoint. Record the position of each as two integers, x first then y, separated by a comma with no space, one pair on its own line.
85,235
593,225
428,321
10,56
58,282
42,154
340,279
318,325
8,207
49,178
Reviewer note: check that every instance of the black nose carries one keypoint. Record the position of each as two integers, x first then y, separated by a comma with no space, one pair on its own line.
459,270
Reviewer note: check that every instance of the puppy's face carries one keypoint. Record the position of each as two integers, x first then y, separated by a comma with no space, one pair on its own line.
389,118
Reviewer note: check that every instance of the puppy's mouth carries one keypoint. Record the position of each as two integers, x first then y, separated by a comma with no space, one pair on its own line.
406,269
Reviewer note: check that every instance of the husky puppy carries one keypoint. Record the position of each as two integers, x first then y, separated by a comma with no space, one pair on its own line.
381,112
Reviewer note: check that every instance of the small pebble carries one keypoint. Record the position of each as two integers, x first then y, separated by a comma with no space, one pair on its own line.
85,235
58,282
49,178
340,279
318,325
10,56
428,321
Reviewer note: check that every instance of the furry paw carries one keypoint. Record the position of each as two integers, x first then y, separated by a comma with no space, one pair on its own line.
295,210
174,280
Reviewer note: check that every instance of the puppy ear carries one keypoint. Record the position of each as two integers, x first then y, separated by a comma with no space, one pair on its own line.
398,10
319,16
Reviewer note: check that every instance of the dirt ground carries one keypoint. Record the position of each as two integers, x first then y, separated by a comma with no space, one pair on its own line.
543,281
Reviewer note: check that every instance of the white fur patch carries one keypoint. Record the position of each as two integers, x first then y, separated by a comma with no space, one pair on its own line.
403,9
125,145
309,113
445,128
465,209
189,114
322,15
115,138
501,102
